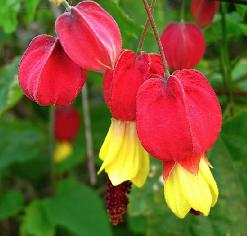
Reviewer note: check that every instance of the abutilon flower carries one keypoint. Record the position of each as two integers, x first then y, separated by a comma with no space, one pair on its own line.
203,11
183,44
66,127
122,154
178,120
47,75
90,36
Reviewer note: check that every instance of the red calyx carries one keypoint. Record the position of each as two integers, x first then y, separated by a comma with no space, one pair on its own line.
47,75
179,119
184,45
120,85
90,36
66,124
203,11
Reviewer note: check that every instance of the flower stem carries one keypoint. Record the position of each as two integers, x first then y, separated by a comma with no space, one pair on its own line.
66,5
52,144
156,35
88,135
224,57
182,10
144,33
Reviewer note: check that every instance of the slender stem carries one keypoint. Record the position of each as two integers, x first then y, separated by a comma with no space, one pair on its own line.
224,57
88,135
156,35
182,10
52,144
66,5
144,33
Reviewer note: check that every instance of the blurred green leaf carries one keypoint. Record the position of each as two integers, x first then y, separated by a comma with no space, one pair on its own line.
21,142
36,222
79,209
8,12
10,92
31,6
11,203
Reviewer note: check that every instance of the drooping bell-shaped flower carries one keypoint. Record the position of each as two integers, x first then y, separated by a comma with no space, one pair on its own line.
66,128
183,44
123,156
203,11
178,120
67,123
47,75
90,36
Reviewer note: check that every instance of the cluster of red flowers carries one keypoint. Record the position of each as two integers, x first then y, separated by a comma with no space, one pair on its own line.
175,119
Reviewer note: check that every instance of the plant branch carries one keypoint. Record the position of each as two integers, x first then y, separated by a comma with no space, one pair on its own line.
224,57
88,135
52,144
182,10
156,35
144,33
66,5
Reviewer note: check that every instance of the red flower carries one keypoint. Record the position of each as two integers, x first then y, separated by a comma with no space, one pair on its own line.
184,45
178,120
47,75
67,123
203,11
123,156
121,84
90,36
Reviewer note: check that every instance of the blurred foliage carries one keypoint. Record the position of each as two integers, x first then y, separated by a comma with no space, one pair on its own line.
29,205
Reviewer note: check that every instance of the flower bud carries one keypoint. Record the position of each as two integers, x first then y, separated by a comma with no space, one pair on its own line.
67,123
183,44
90,36
47,75
203,11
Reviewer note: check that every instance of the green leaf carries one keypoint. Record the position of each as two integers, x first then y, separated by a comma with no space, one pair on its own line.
79,209
11,203
31,6
10,92
8,12
20,142
36,222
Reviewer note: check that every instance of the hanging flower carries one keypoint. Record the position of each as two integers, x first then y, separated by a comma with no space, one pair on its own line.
178,120
90,36
123,156
47,75
67,123
183,44
203,11
66,128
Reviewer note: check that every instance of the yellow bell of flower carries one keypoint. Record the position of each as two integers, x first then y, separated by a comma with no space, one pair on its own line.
57,2
122,154
185,191
62,151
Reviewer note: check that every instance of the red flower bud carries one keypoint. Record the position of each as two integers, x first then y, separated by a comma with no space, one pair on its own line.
67,123
184,45
121,84
90,36
203,11
47,75
178,119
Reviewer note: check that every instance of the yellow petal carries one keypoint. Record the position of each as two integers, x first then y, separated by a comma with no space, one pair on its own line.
143,169
62,151
123,156
184,191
